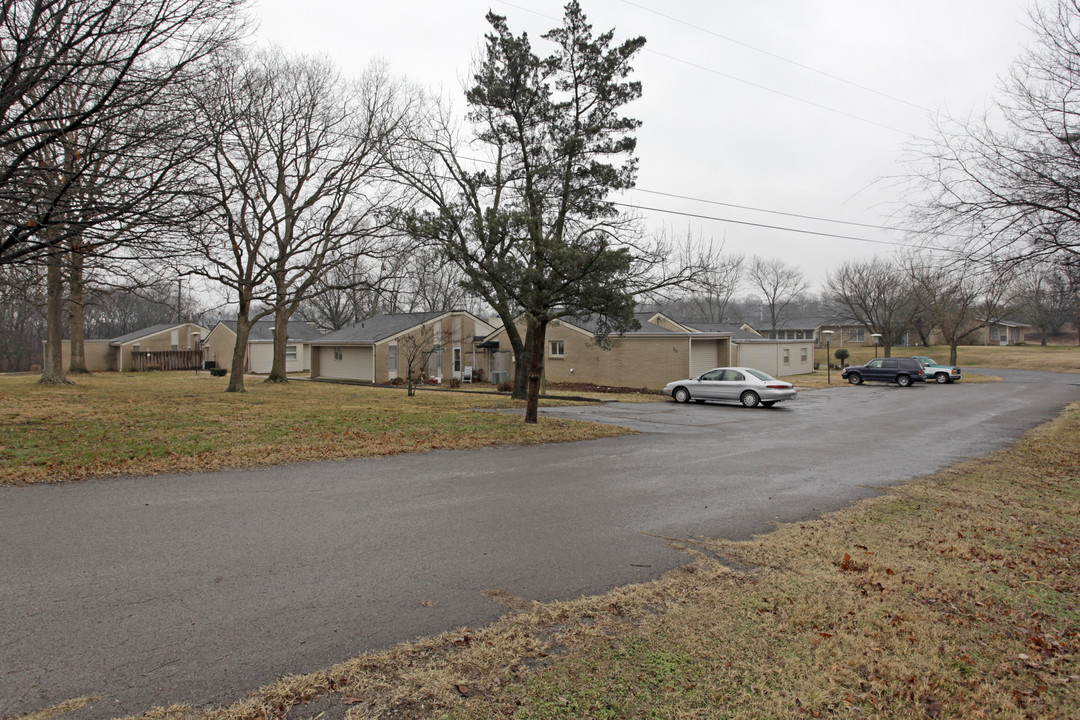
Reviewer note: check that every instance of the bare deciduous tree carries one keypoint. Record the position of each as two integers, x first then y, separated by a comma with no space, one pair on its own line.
82,88
116,56
1047,297
875,294
291,188
1004,185
780,284
958,298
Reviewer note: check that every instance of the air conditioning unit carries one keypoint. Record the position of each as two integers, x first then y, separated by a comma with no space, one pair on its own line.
500,376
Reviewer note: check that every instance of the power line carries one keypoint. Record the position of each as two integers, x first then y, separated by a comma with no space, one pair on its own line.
750,207
766,210
777,92
776,56
751,83
763,225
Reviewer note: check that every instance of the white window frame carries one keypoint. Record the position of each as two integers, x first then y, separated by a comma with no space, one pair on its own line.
556,348
290,352
337,352
392,360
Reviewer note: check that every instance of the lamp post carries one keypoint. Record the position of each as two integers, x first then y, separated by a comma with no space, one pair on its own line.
828,365
877,337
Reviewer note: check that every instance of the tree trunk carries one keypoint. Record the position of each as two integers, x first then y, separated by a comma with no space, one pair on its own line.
52,368
521,366
278,373
887,352
76,300
536,370
243,331
952,353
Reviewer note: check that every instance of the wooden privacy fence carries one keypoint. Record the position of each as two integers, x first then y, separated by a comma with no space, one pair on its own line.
166,360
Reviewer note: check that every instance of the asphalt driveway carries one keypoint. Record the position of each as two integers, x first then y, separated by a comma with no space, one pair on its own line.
198,588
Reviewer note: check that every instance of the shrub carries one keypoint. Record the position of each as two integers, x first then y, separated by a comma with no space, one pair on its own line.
842,354
455,383
431,381
219,372
398,381
506,386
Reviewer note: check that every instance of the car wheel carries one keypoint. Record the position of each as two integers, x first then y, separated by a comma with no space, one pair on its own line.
855,379
768,403
903,380
942,378
750,399
681,395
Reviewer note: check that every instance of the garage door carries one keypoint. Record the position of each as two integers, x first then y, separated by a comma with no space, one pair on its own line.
355,363
761,356
704,355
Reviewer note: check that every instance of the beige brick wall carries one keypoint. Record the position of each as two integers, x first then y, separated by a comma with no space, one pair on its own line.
456,330
99,355
222,340
649,362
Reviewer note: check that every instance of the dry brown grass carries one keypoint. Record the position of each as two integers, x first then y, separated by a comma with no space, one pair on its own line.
150,423
956,595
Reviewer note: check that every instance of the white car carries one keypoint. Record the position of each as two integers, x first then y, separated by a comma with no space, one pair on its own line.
732,384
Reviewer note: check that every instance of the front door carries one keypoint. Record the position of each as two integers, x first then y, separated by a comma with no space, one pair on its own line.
457,362
873,370
708,385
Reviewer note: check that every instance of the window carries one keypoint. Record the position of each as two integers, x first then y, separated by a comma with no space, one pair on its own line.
337,353
857,335
733,376
290,352
787,356
457,360
557,348
802,357
391,359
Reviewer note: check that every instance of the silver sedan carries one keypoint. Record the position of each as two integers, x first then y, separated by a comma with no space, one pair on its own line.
732,384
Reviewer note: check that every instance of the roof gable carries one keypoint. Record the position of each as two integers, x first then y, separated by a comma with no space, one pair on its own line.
152,330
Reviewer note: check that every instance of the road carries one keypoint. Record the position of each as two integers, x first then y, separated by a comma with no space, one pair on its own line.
198,588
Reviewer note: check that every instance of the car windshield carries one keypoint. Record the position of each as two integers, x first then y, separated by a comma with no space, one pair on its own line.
760,375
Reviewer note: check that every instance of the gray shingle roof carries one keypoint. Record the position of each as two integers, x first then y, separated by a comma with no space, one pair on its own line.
592,324
376,328
262,330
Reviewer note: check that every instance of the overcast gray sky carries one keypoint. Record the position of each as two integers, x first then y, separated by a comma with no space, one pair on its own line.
784,105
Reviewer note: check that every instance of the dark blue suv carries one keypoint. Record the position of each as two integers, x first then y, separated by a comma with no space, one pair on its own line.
901,370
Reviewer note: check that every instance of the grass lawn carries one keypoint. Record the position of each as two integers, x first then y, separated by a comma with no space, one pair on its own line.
147,423
955,596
